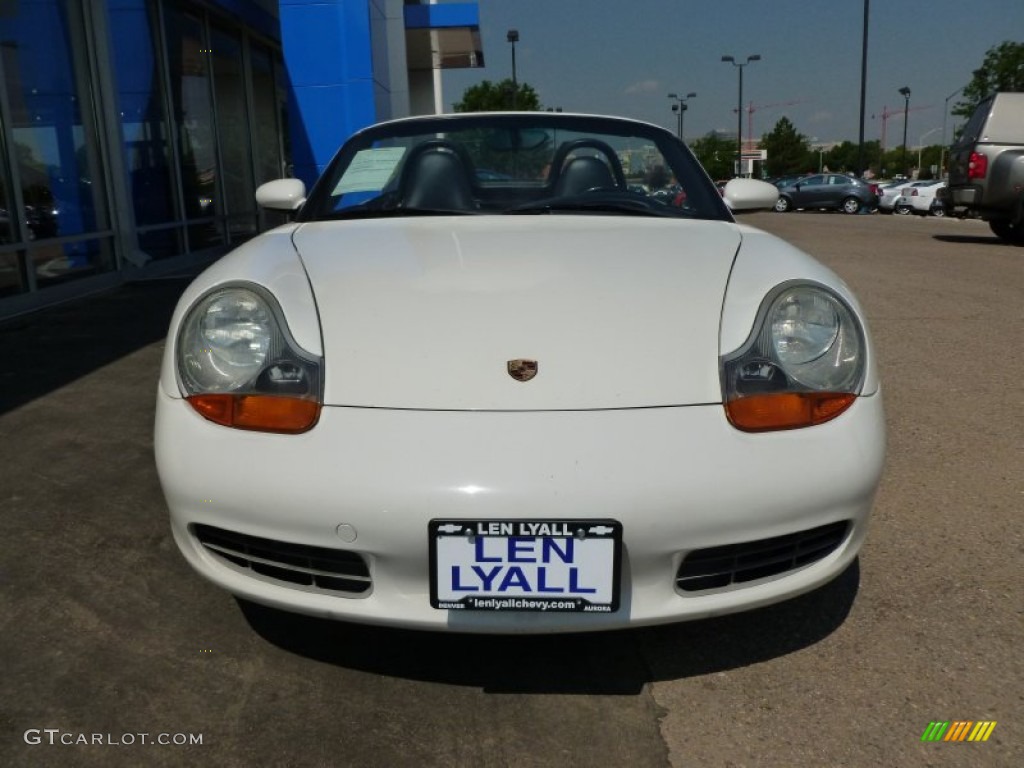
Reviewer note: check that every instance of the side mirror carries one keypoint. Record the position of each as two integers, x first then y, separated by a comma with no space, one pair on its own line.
281,194
750,195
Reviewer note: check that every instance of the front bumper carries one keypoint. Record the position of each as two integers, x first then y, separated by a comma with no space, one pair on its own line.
368,481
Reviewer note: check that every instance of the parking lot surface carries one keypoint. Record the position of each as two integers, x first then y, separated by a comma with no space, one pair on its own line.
115,653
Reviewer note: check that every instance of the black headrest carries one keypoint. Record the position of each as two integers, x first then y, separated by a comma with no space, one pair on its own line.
581,174
435,177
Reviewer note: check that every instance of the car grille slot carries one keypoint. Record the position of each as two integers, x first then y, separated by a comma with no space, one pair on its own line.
718,567
318,568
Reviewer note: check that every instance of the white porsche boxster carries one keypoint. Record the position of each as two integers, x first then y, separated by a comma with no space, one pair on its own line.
518,372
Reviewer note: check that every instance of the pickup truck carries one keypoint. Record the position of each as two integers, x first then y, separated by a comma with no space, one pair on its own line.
986,166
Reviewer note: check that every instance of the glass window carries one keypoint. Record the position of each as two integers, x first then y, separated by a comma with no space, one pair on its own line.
189,69
143,114
233,133
267,103
12,272
54,157
270,114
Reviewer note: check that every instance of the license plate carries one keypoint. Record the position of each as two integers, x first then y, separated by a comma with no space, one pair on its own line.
525,565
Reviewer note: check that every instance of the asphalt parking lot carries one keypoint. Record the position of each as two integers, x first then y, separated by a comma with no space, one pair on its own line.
107,633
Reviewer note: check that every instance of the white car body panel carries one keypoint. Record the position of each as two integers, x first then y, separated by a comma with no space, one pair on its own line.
425,312
386,473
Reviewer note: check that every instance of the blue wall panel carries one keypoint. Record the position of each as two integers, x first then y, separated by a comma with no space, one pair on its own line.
442,16
328,57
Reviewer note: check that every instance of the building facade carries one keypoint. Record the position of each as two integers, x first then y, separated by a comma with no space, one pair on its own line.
133,133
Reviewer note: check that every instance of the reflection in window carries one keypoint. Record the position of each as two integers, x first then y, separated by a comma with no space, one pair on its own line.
143,116
266,98
12,273
188,61
197,134
55,160
12,276
269,112
233,133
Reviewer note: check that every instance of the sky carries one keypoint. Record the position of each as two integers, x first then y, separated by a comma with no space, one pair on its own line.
624,57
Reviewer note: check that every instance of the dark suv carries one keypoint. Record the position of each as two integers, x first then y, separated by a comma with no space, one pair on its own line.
986,166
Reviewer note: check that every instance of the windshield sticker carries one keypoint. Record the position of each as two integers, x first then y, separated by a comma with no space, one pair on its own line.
369,170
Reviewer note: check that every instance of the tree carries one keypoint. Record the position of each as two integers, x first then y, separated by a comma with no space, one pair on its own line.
842,157
716,154
1002,70
788,151
498,97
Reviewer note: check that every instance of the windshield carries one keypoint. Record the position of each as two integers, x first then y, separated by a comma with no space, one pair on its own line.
528,163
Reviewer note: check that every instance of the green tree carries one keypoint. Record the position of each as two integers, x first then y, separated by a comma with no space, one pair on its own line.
499,97
1001,70
893,163
788,150
843,158
716,154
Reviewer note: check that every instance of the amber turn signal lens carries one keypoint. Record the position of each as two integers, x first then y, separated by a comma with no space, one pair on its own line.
264,413
786,410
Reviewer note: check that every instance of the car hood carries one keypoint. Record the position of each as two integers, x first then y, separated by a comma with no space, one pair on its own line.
427,313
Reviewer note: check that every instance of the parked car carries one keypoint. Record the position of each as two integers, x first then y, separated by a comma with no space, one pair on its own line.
785,181
923,199
986,166
888,192
547,403
834,191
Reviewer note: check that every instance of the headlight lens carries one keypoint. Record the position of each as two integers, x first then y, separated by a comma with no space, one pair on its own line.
240,367
804,363
815,339
225,341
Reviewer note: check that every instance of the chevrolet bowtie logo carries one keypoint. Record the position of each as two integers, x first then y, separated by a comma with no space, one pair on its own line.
521,369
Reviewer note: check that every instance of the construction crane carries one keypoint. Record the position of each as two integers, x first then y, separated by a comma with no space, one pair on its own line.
886,113
752,108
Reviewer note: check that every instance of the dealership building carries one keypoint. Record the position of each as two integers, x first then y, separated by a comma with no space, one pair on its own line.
133,133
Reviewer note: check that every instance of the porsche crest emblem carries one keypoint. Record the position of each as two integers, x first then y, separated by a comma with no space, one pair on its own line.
521,369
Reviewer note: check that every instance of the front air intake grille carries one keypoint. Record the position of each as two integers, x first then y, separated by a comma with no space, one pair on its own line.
317,568
718,567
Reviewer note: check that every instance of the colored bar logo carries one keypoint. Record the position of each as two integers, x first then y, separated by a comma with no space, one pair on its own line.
958,730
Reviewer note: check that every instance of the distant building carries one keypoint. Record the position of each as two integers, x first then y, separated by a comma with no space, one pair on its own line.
134,132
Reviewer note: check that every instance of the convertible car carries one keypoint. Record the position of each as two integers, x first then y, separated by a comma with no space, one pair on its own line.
489,378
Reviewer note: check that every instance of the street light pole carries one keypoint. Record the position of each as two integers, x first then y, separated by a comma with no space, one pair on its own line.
679,108
863,88
945,113
513,38
920,148
906,109
739,109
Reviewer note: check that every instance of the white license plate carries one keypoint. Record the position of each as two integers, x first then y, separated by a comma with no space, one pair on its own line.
525,565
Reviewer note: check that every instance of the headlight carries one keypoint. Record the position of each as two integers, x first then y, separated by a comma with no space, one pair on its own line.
803,364
816,340
239,366
225,341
